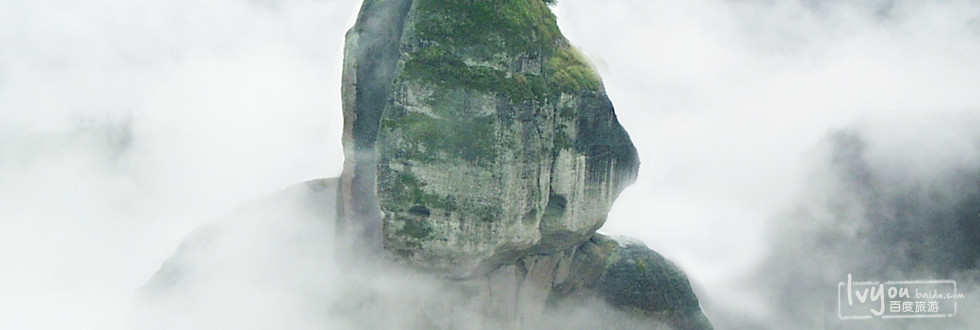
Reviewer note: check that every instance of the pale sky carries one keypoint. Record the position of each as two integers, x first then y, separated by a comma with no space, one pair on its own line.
124,125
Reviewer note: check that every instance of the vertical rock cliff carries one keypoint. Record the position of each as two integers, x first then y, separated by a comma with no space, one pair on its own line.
475,134
481,147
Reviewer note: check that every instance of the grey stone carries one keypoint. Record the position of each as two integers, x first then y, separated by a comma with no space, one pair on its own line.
475,134
481,156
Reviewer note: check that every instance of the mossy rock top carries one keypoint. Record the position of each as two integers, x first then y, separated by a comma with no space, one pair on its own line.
479,45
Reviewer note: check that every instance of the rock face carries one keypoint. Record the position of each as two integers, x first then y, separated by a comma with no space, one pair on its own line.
474,134
482,154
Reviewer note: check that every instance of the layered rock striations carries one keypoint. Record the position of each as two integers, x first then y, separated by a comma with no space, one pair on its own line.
475,134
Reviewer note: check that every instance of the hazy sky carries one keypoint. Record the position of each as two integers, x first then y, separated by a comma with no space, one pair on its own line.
124,125
727,101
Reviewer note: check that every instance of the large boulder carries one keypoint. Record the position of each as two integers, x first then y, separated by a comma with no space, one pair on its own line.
474,134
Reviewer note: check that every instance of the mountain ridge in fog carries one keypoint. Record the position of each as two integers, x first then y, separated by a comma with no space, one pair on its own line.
879,208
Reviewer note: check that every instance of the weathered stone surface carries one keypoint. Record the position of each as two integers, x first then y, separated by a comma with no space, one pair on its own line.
475,134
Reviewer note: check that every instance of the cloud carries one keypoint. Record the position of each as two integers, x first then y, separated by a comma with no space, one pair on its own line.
870,210
728,102
128,124
125,125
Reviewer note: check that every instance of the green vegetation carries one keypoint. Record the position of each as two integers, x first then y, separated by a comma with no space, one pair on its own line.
407,190
436,64
415,229
503,25
641,264
471,139
509,49
482,30
570,71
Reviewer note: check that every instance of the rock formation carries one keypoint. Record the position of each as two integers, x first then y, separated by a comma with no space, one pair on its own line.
475,134
481,149
481,145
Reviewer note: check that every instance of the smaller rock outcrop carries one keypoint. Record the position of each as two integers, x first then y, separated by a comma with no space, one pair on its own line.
630,276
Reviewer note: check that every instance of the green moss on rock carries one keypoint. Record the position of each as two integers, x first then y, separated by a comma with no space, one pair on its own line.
502,25
571,72
439,66
409,192
451,31
432,139
415,228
